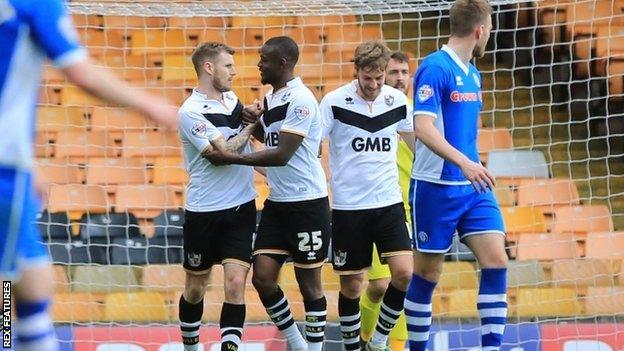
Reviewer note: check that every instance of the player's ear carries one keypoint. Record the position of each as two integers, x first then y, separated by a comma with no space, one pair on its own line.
208,67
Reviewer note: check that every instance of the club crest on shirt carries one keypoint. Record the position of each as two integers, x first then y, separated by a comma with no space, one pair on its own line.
349,100
194,259
199,128
389,99
459,81
476,79
340,258
424,93
302,112
285,97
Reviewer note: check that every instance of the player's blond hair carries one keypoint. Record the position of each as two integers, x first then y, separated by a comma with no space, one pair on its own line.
466,14
208,52
372,55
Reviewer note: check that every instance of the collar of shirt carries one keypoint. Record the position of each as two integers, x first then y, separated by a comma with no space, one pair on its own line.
204,98
455,58
295,82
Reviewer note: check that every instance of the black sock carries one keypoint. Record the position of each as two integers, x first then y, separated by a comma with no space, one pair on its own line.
316,315
277,307
391,308
190,320
231,323
349,312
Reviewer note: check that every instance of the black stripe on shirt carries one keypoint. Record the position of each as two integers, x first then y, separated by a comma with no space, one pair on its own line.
370,124
233,120
275,114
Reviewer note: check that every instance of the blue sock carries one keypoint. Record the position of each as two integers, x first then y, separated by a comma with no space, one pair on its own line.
492,306
34,329
418,312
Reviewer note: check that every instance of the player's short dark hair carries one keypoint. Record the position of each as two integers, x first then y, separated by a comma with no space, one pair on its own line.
399,56
287,47
372,55
466,14
208,52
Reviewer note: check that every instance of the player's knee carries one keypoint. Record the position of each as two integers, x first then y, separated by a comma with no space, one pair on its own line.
495,260
351,286
234,289
194,294
262,282
376,289
431,274
311,290
402,277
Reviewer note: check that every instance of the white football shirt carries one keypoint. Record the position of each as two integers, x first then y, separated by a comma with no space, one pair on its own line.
363,144
210,187
293,109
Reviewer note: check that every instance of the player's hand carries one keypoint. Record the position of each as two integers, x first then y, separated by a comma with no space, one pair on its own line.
252,112
482,180
161,112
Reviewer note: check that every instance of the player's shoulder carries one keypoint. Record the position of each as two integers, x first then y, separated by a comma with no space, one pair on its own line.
192,105
230,95
342,93
437,60
301,94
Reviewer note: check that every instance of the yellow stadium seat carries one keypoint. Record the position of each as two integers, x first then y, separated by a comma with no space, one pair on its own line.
493,139
151,144
58,171
546,247
160,40
145,307
458,275
73,96
103,279
178,67
163,277
118,119
523,220
145,201
60,278
547,194
84,144
77,307
169,170
528,273
583,219
583,272
547,302
462,304
606,245
56,118
505,196
113,171
605,301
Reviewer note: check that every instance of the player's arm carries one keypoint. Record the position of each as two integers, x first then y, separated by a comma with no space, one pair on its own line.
251,114
277,157
219,146
406,126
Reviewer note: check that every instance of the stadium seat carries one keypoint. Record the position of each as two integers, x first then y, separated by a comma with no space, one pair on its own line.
60,278
491,139
583,17
178,68
546,247
77,308
547,302
615,71
604,301
129,251
135,307
101,42
505,195
458,275
77,199
160,40
151,144
552,17
145,201
528,273
114,171
547,194
118,119
163,277
582,273
605,245
166,244
523,220
462,303
583,219
108,226
263,194
169,170
56,118
198,22
44,144
58,171
517,164
54,226
84,144
73,96
103,279
132,22
263,21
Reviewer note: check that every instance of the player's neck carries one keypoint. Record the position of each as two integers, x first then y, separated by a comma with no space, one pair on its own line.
282,82
462,48
209,90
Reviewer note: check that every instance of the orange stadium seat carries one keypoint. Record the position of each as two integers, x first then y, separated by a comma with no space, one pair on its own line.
102,42
607,245
77,308
493,139
113,171
552,18
77,199
160,40
178,67
505,196
326,20
58,171
523,220
139,68
233,37
151,144
458,275
348,37
132,22
583,17
146,307
530,273
118,119
546,247
583,219
583,272
163,277
610,41
103,278
605,301
145,201
615,74
547,302
547,194
198,22
84,144
263,21
462,303
44,144
169,170
56,118
175,95
73,96
60,278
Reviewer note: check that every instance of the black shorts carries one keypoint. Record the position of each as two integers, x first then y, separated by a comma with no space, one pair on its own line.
219,237
300,229
355,231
